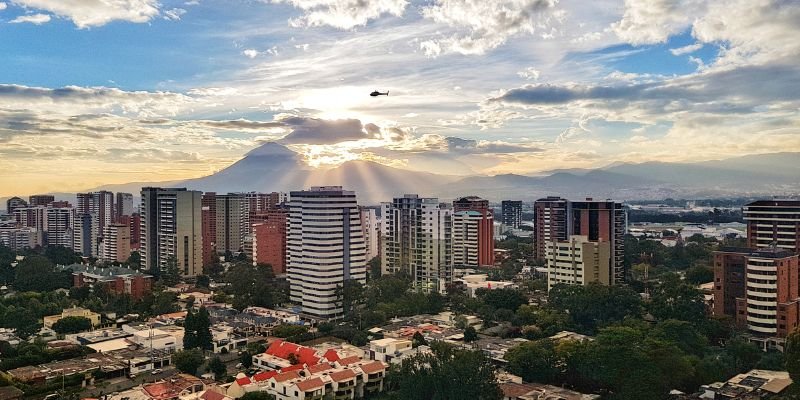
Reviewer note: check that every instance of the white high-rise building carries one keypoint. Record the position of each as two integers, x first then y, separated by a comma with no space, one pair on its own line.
325,248
124,205
466,225
100,204
371,225
171,226
416,238
35,218
59,226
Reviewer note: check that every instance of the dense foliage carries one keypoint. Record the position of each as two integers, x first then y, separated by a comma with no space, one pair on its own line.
188,361
197,328
72,325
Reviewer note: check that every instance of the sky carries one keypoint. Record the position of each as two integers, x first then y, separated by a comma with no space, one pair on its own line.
96,92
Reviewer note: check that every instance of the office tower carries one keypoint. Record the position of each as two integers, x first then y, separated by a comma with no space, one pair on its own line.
578,261
557,220
60,222
269,239
485,238
325,248
232,220
773,223
123,205
85,238
416,237
512,213
171,227
99,203
116,245
14,203
371,225
760,289
40,200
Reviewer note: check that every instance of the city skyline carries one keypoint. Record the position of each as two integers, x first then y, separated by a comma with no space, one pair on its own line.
146,91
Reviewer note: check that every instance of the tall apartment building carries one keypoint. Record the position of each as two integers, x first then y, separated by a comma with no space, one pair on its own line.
17,237
269,239
34,218
485,238
14,203
325,248
209,223
232,222
372,229
171,227
123,205
557,219
416,237
258,203
466,230
60,222
512,213
578,261
40,200
99,203
773,223
85,239
134,224
116,245
760,288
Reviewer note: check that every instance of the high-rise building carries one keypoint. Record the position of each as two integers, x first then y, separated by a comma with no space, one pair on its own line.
40,200
17,237
557,219
209,223
578,261
259,203
134,224
35,218
760,288
269,239
371,225
773,223
466,231
512,213
171,227
485,238
14,203
60,222
123,205
416,237
232,220
99,203
116,245
325,248
85,238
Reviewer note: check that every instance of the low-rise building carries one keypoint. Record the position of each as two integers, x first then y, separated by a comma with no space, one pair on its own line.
532,391
50,320
473,282
756,384
114,279
390,350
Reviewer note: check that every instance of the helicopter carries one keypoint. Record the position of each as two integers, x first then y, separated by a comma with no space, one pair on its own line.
377,93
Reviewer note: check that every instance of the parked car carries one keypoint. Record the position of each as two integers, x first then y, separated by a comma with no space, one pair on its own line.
239,365
156,371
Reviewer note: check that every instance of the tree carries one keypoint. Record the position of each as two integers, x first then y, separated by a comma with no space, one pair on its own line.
325,328
190,331
470,334
253,285
286,330
203,281
418,340
292,358
38,274
22,321
246,359
217,367
134,260
60,255
258,395
593,306
352,294
791,355
699,274
445,374
188,361
171,275
674,299
72,325
534,361
510,299
197,330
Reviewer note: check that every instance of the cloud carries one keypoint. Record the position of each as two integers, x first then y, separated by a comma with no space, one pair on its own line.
250,53
241,125
479,26
686,49
89,13
306,130
3,6
174,14
36,19
343,14
654,21
529,73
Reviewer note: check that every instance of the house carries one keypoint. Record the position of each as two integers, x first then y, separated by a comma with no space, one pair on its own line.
390,350
534,391
174,388
50,320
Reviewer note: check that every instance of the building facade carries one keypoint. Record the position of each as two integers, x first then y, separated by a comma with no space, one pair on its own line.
325,248
60,222
171,227
116,245
232,222
123,205
101,204
40,200
512,213
269,239
773,223
578,261
485,238
416,237
14,203
372,231
85,235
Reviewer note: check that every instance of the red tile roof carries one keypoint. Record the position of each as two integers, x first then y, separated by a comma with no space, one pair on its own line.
282,349
263,376
286,376
243,381
310,384
315,369
212,395
296,367
339,376
349,360
373,367
331,355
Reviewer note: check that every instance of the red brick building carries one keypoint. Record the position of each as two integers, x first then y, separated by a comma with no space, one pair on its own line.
269,239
